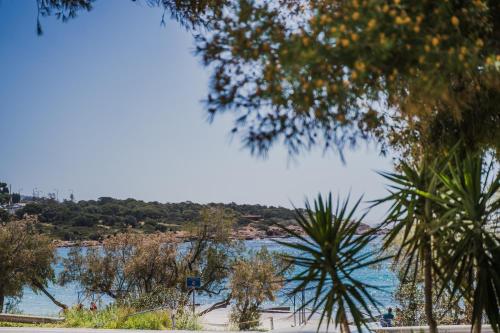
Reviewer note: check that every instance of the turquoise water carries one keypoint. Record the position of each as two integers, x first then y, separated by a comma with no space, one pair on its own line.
39,304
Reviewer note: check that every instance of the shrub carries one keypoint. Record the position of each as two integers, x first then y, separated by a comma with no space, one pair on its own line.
160,296
117,317
256,279
152,320
4,216
184,320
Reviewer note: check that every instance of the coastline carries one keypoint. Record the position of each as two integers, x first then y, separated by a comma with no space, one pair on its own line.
249,232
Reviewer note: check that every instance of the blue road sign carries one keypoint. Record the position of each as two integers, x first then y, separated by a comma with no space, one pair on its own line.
193,282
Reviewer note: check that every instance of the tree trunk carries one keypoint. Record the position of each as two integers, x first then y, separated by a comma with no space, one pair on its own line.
344,324
218,305
477,325
431,321
2,298
45,291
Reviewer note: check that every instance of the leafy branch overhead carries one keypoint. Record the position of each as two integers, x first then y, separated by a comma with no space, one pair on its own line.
329,73
189,13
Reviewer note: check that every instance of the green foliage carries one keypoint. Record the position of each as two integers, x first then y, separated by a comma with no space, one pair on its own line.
107,216
126,264
132,265
409,296
471,249
330,257
411,217
255,279
12,305
441,214
410,300
332,73
9,324
4,215
184,320
16,197
25,260
4,193
113,317
189,14
160,296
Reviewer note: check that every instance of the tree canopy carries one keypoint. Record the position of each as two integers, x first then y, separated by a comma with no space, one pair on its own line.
331,73
130,264
4,193
25,260
189,13
95,219
326,72
255,279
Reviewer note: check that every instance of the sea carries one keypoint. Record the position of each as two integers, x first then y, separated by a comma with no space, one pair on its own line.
38,304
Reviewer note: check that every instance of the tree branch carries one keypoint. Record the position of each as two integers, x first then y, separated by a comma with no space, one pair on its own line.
40,286
218,305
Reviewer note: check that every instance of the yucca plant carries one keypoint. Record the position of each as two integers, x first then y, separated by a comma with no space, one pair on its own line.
329,255
470,249
412,223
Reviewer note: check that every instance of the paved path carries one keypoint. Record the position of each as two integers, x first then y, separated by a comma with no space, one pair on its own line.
89,330
307,329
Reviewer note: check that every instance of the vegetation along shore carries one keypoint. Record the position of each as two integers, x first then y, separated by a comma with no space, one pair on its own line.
89,222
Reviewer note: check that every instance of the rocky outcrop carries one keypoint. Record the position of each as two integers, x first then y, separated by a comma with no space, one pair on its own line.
248,232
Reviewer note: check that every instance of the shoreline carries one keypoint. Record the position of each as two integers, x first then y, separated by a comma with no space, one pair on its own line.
179,236
248,232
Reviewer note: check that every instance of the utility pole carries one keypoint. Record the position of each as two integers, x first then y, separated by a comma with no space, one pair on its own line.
194,303
294,312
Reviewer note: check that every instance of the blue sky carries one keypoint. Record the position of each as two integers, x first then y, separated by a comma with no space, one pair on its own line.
109,104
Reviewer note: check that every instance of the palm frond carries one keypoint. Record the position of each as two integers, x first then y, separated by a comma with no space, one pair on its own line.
330,254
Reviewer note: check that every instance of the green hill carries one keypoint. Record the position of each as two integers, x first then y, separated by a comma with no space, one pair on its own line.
94,219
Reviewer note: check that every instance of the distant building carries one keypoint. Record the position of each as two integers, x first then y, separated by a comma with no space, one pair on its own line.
11,209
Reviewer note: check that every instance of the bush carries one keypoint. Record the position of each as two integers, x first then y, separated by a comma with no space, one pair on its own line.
159,297
117,317
4,216
165,297
84,221
256,279
158,320
184,320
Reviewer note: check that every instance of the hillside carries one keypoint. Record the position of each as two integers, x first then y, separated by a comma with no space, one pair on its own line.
94,219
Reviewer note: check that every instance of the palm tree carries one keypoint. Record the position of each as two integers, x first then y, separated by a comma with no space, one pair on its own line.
330,253
470,249
412,222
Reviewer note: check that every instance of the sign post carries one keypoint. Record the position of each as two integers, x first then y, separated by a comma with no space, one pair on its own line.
193,283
